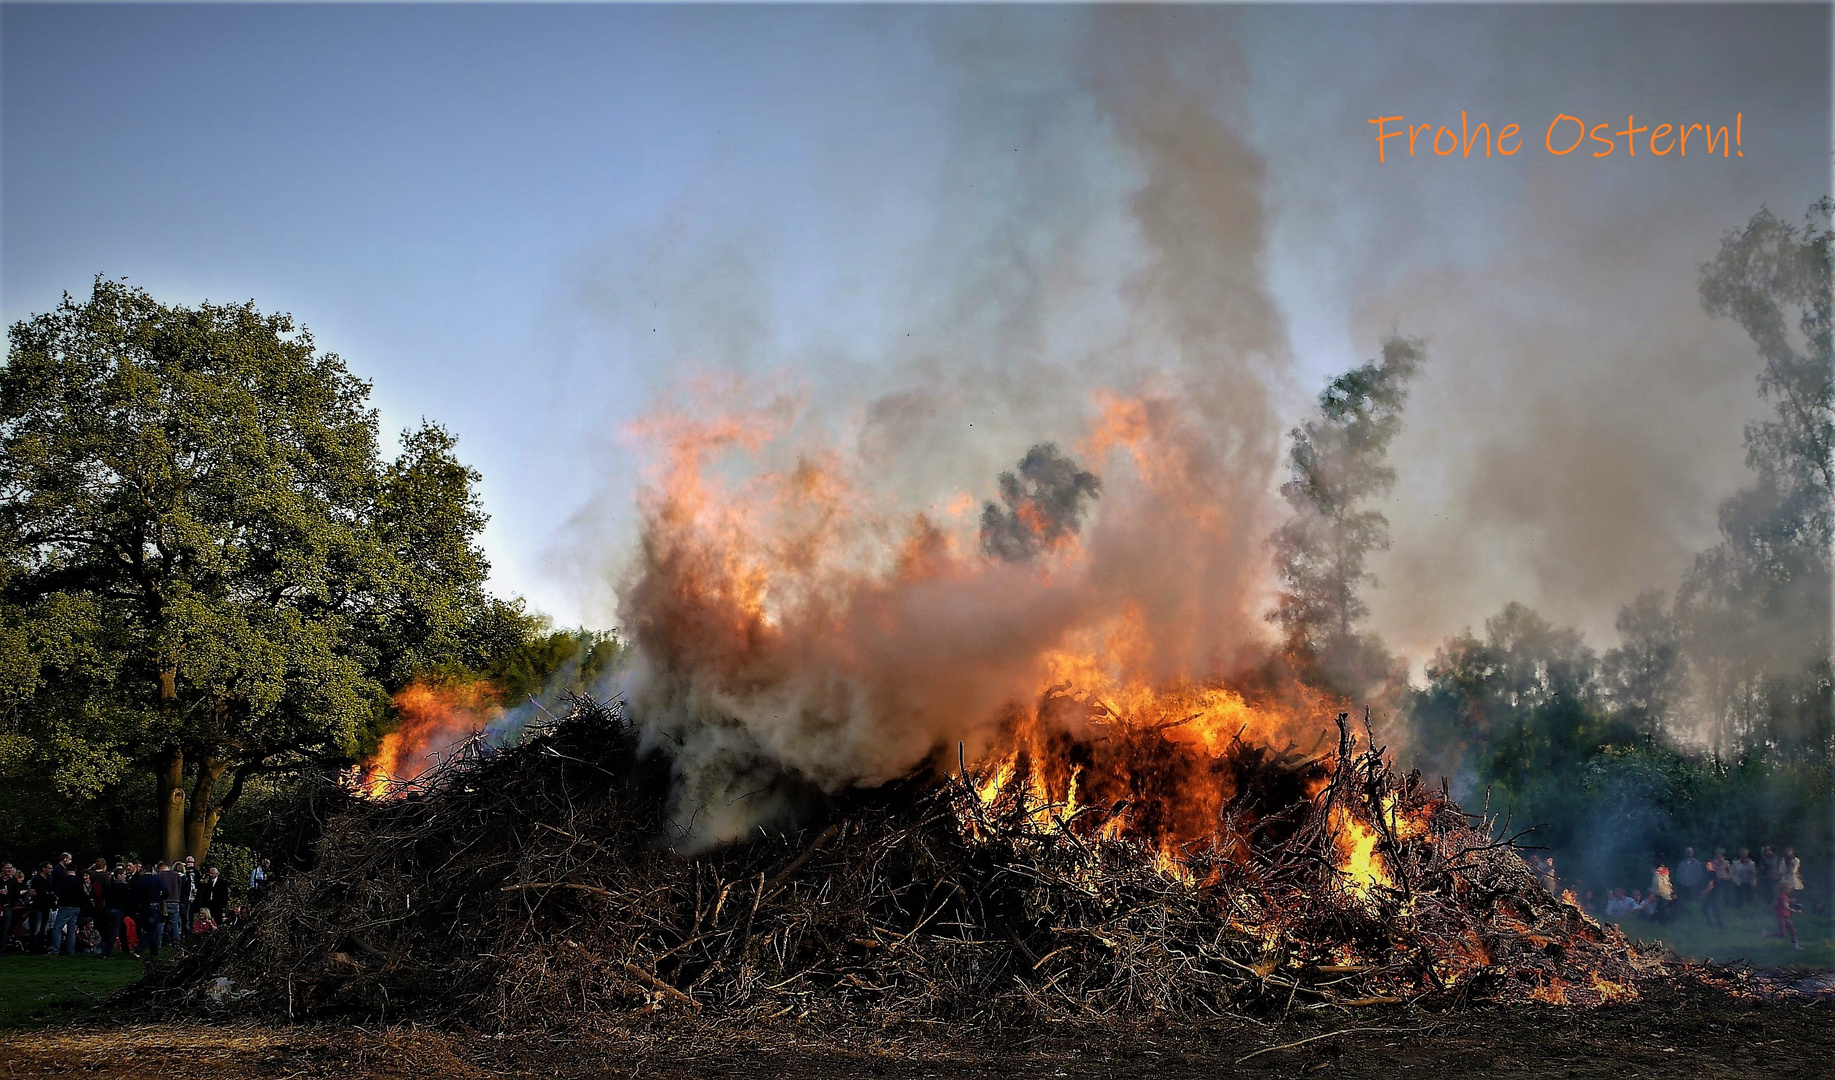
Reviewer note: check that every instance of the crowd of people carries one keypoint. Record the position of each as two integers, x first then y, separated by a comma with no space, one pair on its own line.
130,908
1709,888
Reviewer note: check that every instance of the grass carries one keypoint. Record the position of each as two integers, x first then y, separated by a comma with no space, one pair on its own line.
1690,936
36,990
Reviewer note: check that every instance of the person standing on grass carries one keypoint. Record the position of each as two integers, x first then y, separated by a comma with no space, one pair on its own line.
148,896
1713,895
71,902
213,892
1689,876
1790,870
187,890
1745,878
95,887
12,904
1662,893
115,894
1772,867
174,881
41,907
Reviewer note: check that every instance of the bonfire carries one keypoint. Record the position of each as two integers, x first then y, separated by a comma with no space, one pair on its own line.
1052,877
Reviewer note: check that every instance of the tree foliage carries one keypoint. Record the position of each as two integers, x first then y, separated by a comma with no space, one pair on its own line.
1338,463
1757,605
206,567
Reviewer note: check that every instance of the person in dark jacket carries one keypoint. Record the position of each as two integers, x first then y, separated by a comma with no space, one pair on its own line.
117,901
213,893
67,885
95,888
187,871
41,907
148,895
12,904
175,891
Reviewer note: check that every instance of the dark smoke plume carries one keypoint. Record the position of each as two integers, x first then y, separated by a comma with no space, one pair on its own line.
1044,503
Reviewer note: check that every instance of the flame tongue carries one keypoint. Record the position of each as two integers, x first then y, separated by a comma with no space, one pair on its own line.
435,717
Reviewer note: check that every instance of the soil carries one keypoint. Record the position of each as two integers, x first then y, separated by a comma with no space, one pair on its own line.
1684,1030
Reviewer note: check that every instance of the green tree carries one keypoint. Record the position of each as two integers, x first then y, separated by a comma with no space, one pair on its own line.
1522,700
1644,677
1757,605
1338,462
207,569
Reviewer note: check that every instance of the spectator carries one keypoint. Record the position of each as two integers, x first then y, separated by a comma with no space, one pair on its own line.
68,888
12,904
187,890
1790,870
1745,878
89,938
115,892
175,884
41,902
148,895
203,924
1772,867
1782,907
1550,880
95,891
1713,896
1689,875
258,878
1662,893
213,891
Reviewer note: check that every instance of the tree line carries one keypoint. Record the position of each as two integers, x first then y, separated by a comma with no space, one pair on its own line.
1710,720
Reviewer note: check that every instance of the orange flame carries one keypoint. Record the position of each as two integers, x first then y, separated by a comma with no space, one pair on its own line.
434,718
781,601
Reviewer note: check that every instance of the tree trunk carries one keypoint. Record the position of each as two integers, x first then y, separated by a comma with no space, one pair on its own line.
201,816
170,767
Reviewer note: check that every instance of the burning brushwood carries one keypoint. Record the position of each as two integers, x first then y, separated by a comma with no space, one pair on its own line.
530,884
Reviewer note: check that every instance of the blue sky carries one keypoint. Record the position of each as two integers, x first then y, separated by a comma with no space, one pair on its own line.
523,221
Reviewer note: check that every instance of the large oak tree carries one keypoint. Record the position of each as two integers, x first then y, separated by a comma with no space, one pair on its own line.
207,569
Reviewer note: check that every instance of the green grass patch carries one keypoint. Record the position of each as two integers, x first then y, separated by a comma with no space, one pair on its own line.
36,990
1690,936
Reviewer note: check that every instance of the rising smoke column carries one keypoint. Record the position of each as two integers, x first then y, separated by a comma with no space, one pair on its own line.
801,626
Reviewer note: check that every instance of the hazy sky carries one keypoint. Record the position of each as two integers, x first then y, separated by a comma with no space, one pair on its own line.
526,221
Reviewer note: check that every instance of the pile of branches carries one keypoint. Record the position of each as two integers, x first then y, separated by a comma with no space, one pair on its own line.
531,886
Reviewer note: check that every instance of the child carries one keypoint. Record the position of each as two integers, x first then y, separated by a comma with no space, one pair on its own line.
89,938
1781,907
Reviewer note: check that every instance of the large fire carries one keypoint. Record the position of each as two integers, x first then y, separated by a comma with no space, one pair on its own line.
1115,678
435,717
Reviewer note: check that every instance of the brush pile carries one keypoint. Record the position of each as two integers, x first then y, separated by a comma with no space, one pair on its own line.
529,886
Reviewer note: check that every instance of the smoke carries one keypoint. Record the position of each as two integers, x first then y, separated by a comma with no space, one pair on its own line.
817,601
814,604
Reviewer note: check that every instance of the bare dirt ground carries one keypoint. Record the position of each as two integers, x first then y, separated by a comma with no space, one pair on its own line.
1685,1031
